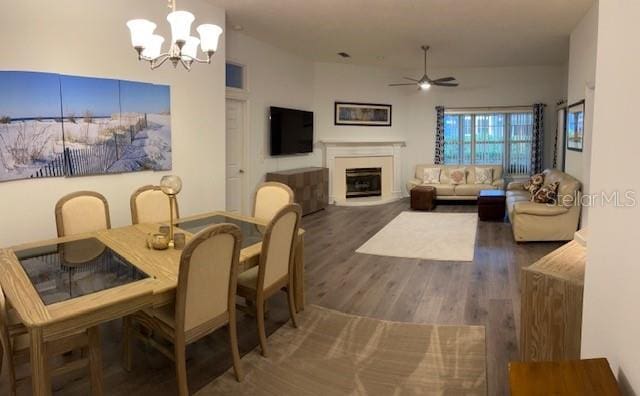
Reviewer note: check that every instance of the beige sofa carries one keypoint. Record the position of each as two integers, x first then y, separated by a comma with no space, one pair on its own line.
467,191
545,222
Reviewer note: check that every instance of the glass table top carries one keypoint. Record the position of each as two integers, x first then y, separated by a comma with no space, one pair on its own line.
251,233
68,270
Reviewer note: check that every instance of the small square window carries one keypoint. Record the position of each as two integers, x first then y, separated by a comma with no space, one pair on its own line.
235,76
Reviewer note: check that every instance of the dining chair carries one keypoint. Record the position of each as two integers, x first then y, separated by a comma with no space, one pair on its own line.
274,271
150,205
205,301
270,198
15,344
80,212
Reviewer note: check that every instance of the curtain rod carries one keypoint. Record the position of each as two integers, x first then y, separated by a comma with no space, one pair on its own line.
488,107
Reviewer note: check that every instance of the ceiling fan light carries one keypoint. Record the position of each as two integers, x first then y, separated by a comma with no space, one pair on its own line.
141,31
209,36
154,46
424,85
180,22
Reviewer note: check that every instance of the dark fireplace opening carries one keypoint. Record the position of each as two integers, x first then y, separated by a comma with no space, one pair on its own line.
364,182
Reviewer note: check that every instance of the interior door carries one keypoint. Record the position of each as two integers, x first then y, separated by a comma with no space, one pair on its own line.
234,147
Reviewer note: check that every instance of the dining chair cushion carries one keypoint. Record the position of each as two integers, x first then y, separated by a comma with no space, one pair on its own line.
207,293
249,278
150,205
270,198
279,253
83,213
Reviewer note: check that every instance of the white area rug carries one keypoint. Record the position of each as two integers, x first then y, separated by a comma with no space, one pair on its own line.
431,236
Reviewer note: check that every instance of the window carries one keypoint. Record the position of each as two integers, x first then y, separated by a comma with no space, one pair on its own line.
489,138
235,76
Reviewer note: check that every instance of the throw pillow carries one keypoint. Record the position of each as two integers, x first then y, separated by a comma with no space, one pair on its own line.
484,175
458,176
547,194
534,183
431,176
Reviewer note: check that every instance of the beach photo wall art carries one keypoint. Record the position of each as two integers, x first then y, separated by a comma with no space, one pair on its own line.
58,125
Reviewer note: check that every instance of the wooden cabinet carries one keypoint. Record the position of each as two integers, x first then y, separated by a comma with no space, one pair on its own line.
310,186
551,314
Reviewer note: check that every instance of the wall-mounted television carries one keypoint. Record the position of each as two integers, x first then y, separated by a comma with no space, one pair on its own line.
291,131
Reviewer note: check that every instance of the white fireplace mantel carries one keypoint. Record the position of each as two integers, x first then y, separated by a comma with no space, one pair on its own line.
335,148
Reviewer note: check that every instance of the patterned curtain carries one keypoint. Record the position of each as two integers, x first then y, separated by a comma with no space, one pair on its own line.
439,154
537,145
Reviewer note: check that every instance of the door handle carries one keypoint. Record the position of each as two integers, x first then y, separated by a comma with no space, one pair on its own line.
241,170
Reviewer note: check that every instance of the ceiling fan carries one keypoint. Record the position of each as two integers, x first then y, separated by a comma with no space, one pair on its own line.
425,82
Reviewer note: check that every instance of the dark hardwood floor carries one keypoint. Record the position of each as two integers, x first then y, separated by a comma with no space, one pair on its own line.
484,292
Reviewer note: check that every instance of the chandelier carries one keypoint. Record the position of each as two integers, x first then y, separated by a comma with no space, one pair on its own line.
183,48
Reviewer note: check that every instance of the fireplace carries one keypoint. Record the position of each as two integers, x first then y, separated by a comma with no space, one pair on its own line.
364,182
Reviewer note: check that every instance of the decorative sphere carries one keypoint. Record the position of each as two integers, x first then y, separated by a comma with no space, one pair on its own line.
171,184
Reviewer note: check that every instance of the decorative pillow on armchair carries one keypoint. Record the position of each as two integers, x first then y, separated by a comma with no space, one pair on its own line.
458,176
546,194
431,176
534,183
484,175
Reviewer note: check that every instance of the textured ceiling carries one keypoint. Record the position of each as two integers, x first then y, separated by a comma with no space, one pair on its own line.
462,33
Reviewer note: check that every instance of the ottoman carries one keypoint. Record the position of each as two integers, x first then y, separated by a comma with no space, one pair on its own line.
423,197
491,205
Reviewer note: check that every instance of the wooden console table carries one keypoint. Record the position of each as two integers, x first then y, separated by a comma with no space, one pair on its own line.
551,314
310,186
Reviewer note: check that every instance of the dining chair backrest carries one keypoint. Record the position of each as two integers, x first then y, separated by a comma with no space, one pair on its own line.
278,245
270,198
80,212
207,277
150,205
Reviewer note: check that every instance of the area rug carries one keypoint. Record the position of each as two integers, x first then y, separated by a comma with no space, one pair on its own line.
431,236
332,353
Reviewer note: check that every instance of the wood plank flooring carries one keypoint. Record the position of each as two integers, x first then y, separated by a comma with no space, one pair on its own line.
483,292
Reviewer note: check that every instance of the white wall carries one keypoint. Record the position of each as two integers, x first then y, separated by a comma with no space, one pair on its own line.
89,38
611,323
275,78
582,74
414,117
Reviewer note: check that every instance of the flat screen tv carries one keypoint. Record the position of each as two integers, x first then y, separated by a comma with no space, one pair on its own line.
291,131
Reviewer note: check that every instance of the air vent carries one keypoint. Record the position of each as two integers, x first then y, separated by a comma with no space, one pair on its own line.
344,55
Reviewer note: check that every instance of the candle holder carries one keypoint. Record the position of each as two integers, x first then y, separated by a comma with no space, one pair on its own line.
171,185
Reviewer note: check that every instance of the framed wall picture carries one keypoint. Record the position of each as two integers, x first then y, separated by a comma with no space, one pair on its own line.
54,125
362,114
575,126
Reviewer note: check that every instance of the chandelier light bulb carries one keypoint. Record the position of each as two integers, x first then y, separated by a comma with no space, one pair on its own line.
141,30
190,48
153,47
209,36
180,22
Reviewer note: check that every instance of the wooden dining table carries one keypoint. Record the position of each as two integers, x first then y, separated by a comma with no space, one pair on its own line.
132,277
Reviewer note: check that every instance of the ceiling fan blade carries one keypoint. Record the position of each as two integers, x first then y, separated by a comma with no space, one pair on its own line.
444,84
398,85
444,79
410,79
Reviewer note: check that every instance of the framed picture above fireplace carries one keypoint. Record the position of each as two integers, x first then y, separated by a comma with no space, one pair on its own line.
362,114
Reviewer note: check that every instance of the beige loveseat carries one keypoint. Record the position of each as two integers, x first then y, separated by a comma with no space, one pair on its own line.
545,222
466,191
